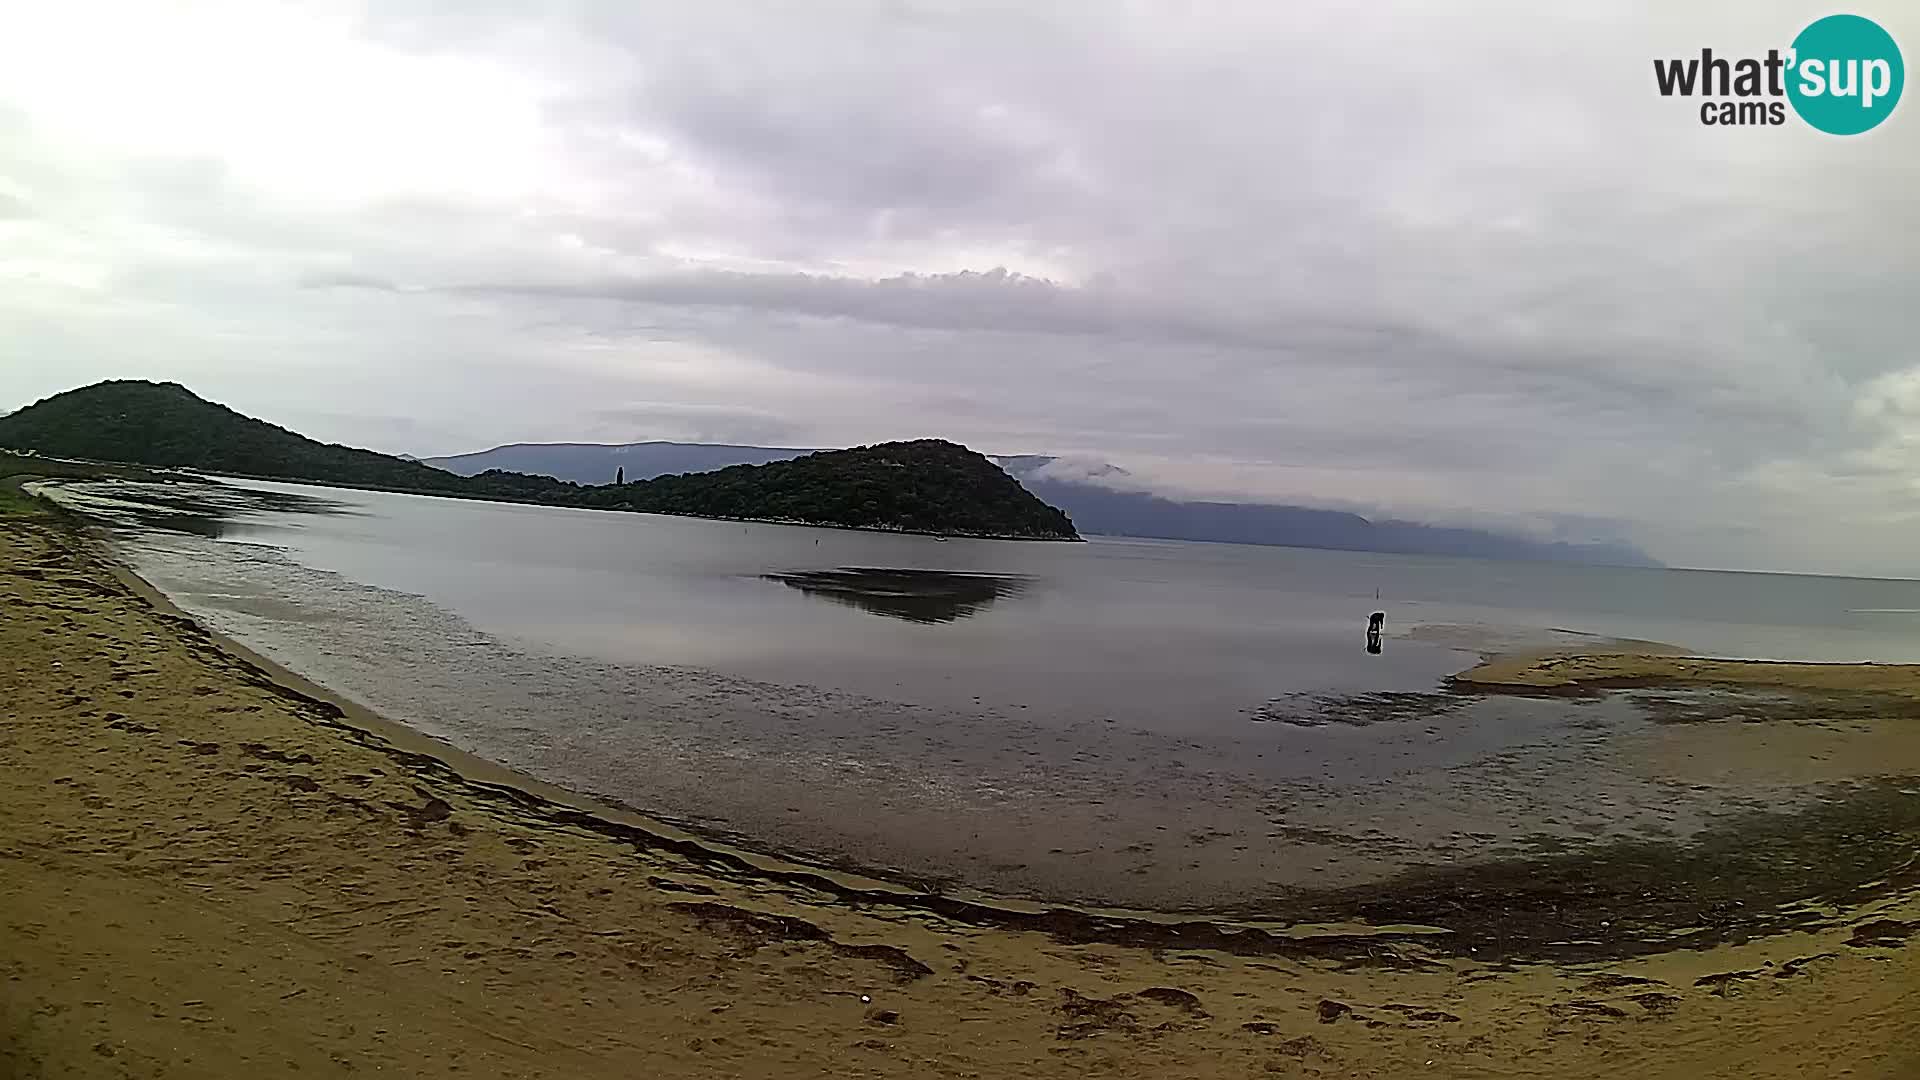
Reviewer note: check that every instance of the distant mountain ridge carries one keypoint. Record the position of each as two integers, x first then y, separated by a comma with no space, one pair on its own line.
1104,511
593,463
927,485
1095,508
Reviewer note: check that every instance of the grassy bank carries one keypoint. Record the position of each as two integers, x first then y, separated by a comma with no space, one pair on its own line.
14,502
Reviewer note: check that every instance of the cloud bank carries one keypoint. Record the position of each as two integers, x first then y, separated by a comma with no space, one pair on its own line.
1460,266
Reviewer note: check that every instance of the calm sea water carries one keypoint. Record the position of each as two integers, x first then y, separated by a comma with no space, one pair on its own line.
1133,625
1076,721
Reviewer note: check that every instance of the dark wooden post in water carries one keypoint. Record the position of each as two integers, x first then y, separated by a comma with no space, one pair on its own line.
619,474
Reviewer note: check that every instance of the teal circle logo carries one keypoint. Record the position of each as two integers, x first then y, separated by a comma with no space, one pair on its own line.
1847,75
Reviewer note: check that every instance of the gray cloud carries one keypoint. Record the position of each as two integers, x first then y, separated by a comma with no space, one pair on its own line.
1458,265
693,422
990,301
345,279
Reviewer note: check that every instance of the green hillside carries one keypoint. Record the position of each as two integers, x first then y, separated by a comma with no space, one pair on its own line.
167,425
922,486
927,485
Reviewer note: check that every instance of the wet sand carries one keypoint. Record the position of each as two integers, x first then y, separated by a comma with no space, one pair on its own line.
211,869
1223,810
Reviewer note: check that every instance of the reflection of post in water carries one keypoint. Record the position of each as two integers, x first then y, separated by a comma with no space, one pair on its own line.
1375,622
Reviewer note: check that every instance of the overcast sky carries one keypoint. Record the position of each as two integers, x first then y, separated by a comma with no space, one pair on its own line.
1459,264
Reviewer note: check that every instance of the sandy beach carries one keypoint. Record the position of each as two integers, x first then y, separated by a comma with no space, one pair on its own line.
211,868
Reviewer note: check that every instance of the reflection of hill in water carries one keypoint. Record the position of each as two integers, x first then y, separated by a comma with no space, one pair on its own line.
922,596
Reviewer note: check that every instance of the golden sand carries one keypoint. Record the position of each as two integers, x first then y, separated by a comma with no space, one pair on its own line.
207,869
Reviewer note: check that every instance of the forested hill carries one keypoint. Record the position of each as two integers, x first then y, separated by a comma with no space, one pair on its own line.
167,425
923,486
928,485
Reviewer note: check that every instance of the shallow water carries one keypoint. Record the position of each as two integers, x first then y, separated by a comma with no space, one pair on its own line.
1142,723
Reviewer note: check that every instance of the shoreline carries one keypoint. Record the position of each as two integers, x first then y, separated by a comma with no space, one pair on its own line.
1136,927
1309,927
633,825
211,871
